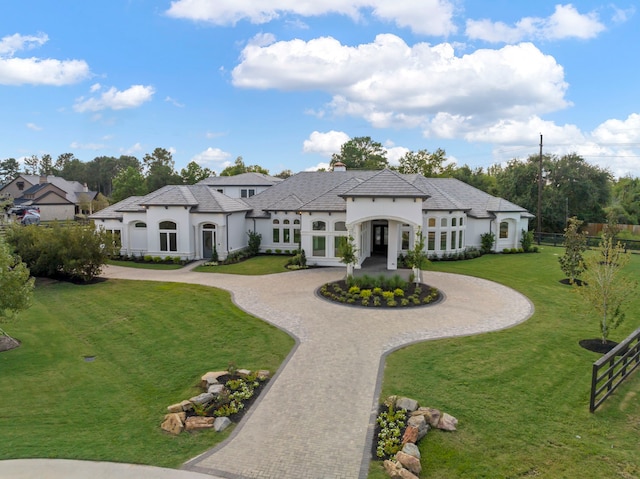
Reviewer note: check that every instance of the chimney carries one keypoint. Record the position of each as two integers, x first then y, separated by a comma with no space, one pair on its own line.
339,166
43,179
85,188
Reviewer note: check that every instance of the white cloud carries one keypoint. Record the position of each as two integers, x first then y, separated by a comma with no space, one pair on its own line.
565,22
16,42
622,15
114,99
391,84
34,127
174,102
86,146
213,156
319,166
132,150
395,153
325,143
432,17
36,71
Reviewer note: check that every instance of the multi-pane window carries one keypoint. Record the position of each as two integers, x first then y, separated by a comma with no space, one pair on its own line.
504,230
296,231
168,236
247,192
319,245
276,231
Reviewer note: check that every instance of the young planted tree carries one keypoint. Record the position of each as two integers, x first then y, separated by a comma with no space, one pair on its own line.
416,258
16,288
575,244
348,253
607,289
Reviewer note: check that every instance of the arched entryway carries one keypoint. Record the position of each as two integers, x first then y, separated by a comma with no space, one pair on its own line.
208,239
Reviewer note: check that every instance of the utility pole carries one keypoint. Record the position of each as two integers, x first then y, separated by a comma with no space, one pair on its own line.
540,193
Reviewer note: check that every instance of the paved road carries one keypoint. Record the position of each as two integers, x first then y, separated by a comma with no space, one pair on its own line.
315,420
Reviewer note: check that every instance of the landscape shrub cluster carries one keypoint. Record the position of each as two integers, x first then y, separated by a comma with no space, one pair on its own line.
68,250
377,291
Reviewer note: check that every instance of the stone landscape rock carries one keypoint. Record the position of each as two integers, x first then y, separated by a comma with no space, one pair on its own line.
432,415
411,449
447,422
421,423
409,462
410,435
202,399
243,373
211,378
194,423
263,374
187,406
407,404
216,389
393,468
221,423
173,423
175,408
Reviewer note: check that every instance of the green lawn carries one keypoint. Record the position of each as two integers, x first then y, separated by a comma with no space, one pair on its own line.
133,264
151,342
256,265
522,395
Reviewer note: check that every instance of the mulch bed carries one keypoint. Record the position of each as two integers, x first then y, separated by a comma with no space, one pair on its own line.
597,346
425,291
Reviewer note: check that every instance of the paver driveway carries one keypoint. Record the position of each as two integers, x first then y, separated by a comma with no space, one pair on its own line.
315,421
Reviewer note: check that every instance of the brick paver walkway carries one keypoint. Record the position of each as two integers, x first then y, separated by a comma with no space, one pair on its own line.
315,421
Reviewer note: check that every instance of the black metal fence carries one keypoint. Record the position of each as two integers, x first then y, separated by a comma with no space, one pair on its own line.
612,368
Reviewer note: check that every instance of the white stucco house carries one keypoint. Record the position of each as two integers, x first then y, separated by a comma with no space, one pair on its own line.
382,210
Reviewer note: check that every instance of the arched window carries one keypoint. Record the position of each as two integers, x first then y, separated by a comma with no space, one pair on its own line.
454,221
504,229
319,226
140,224
208,226
276,222
285,222
431,223
340,226
443,222
168,236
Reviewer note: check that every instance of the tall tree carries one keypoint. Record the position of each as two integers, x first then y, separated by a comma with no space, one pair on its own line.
284,174
128,182
625,201
16,286
159,167
239,167
62,160
427,164
46,165
575,244
75,170
361,153
194,173
31,165
477,178
9,169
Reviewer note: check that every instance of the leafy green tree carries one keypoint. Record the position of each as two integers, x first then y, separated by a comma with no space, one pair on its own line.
16,286
72,169
239,167
575,244
128,182
625,201
416,257
607,290
159,167
361,153
284,174
9,169
254,242
477,178
46,165
427,164
194,173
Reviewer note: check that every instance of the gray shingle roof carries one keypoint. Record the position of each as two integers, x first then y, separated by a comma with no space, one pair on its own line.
244,179
386,183
115,211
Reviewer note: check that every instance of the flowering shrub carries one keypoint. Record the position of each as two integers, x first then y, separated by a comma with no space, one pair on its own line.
391,424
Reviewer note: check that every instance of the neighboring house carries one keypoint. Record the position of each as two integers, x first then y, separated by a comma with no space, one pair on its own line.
245,185
57,198
382,211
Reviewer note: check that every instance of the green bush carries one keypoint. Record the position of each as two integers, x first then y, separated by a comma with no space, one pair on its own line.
77,252
254,243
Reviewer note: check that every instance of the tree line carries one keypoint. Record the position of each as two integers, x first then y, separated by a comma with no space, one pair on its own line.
571,185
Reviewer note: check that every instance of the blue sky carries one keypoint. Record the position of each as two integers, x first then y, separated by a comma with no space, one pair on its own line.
283,83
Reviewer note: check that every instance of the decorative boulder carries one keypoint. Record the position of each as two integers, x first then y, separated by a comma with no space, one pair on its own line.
243,373
396,471
202,399
407,404
216,389
432,415
199,422
421,423
175,408
263,374
221,423
173,423
447,422
409,462
211,377
186,405
411,449
410,435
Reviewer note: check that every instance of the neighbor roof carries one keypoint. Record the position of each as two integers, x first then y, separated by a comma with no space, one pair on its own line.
244,179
